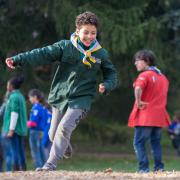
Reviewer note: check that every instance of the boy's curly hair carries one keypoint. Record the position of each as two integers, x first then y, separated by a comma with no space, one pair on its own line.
86,18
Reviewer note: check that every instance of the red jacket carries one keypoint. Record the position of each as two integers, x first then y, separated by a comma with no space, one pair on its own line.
155,89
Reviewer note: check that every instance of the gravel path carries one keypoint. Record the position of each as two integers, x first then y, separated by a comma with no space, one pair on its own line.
87,175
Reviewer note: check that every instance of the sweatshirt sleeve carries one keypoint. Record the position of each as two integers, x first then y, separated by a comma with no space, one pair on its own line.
40,56
13,120
141,81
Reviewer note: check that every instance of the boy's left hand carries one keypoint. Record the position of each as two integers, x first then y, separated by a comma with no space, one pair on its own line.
101,88
10,133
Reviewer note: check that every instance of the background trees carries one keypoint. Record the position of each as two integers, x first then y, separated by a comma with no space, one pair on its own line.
126,26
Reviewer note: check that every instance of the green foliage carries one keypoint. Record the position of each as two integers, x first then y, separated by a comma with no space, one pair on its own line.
104,133
126,26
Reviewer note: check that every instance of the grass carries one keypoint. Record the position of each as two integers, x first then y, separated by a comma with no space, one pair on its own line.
123,163
97,163
109,157
90,155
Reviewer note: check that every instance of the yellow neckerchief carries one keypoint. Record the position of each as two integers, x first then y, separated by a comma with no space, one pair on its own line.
87,53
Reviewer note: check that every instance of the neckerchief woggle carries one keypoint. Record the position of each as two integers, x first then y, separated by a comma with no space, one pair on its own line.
155,69
87,53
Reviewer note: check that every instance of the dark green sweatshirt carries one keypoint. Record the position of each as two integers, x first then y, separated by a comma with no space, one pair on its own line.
74,84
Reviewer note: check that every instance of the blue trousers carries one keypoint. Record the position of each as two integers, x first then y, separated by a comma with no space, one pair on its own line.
18,152
141,136
1,155
7,153
37,149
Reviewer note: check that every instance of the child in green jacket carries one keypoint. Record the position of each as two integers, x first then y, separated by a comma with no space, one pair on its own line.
14,122
74,85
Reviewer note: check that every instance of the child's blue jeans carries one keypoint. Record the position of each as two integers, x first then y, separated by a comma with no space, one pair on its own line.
18,152
1,154
141,136
37,150
7,153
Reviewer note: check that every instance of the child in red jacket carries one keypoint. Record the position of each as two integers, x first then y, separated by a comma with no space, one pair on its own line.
149,113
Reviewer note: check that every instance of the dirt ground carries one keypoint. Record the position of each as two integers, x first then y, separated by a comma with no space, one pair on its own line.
87,175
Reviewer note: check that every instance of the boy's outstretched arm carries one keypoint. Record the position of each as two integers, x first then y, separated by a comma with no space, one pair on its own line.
109,75
40,56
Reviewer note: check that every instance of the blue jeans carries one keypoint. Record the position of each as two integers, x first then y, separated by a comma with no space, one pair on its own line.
37,150
47,151
7,153
18,152
1,154
141,136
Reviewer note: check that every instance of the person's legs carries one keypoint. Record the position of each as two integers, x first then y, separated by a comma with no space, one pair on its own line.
22,159
43,152
1,155
156,148
175,142
7,153
178,144
15,152
62,137
68,152
35,145
56,118
47,151
141,136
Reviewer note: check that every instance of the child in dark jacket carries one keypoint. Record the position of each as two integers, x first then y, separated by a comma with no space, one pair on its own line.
81,61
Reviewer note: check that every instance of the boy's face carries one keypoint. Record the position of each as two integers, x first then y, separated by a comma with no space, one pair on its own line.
140,64
87,34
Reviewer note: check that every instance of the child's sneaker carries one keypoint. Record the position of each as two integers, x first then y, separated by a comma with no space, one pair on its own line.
68,152
143,171
47,167
159,170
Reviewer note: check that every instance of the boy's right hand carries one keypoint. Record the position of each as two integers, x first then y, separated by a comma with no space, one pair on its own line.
101,88
10,63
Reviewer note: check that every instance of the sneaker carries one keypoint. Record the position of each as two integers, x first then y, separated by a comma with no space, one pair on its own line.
159,170
39,169
143,171
47,167
68,152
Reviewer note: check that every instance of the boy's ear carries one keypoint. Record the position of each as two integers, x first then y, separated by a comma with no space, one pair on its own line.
77,31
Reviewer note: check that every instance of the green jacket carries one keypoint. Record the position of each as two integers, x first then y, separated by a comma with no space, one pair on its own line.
15,103
74,84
